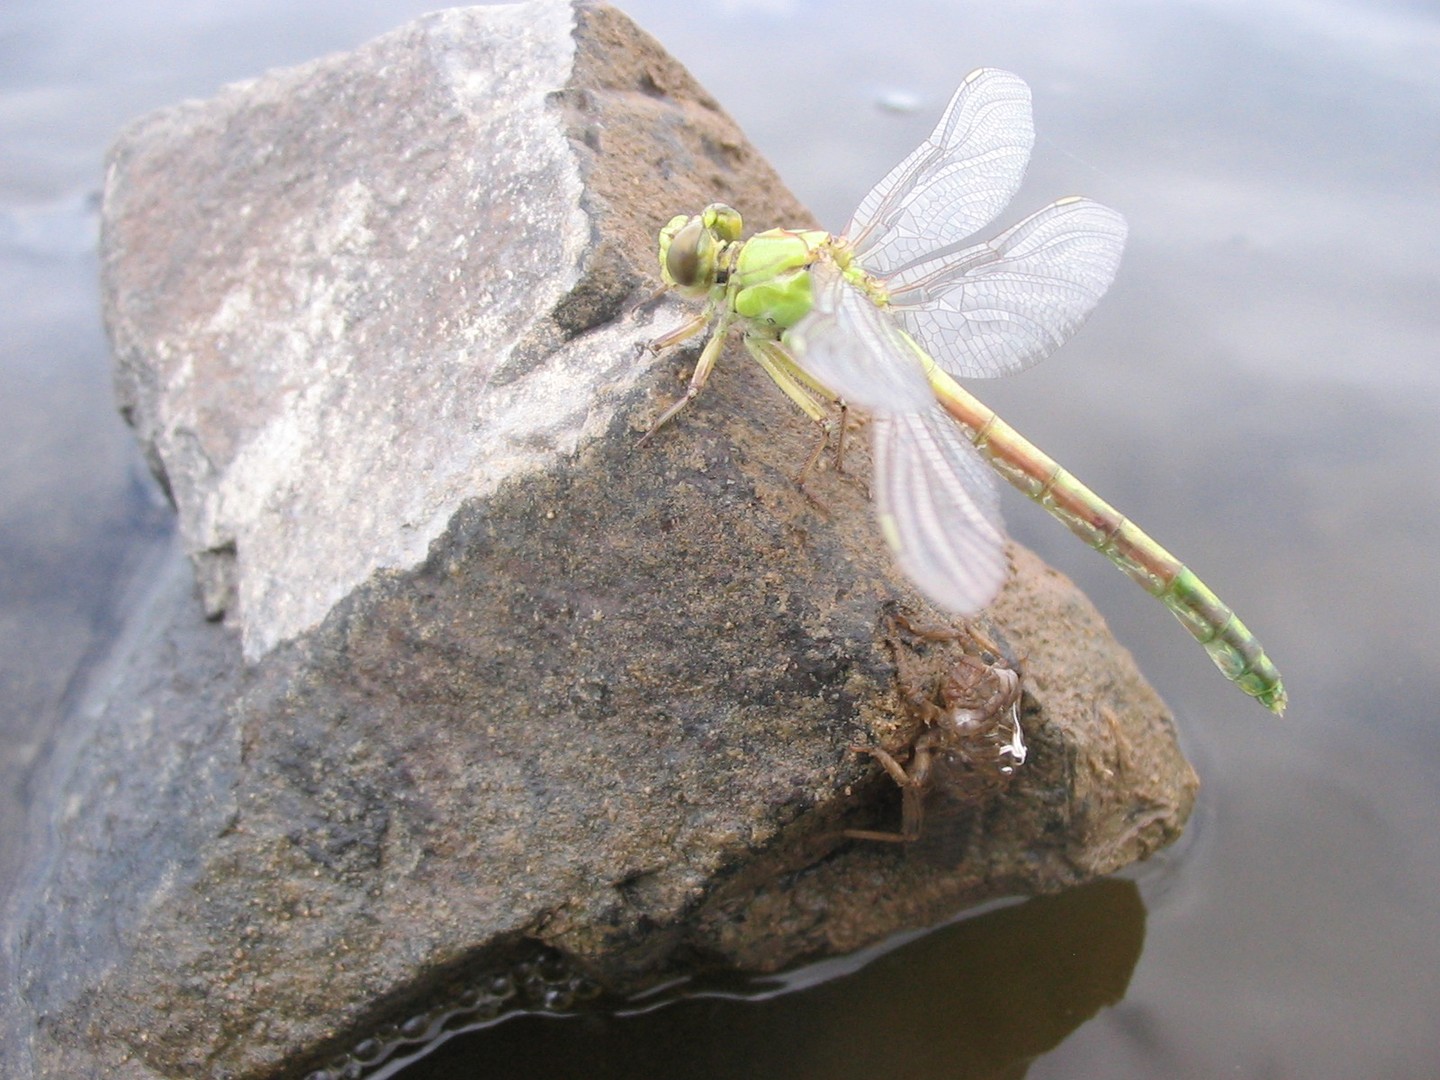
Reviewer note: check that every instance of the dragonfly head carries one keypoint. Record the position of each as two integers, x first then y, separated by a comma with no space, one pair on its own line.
691,247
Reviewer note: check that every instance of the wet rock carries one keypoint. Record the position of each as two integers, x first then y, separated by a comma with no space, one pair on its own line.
480,677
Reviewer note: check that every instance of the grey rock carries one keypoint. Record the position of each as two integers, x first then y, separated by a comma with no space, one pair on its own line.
488,678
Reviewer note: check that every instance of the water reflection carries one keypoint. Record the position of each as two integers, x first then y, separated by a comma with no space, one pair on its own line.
77,512
976,1000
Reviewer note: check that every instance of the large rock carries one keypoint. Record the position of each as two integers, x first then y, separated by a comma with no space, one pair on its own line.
489,680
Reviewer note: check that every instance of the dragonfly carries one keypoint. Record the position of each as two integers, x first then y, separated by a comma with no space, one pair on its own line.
888,314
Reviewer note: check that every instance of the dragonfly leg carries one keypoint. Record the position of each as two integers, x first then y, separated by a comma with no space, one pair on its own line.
684,332
703,367
799,388
924,631
804,473
776,362
875,834
913,783
836,427
887,760
840,442
658,294
978,636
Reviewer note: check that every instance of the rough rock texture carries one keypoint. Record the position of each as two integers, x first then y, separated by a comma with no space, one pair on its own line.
488,677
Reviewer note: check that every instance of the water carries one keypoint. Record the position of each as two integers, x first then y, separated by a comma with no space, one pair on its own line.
1259,391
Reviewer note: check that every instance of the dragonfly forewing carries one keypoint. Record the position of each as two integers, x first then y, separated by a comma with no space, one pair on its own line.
955,182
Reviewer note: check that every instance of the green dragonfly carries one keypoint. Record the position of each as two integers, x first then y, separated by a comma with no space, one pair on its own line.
886,315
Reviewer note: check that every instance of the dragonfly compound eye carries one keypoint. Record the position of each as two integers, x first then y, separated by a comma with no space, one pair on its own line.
722,220
687,252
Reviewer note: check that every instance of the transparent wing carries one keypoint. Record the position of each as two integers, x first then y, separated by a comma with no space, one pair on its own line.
998,307
955,182
849,345
939,510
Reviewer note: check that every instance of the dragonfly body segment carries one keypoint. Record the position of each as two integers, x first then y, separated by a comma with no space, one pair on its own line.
1233,648
887,315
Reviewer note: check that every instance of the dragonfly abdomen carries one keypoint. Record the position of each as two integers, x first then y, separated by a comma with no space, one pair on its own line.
1232,647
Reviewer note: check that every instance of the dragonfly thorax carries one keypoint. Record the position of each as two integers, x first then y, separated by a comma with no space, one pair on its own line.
770,280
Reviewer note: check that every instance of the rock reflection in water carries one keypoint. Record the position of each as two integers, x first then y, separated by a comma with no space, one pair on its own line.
979,998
